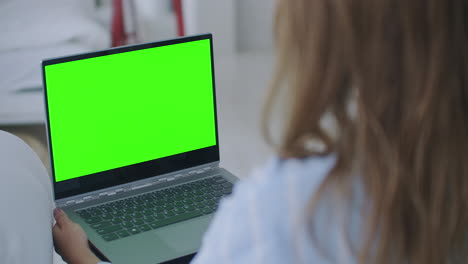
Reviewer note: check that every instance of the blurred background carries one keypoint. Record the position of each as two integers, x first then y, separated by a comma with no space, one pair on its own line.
36,30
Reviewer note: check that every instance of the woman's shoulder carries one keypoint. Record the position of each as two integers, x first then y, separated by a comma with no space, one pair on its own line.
257,222
292,180
282,191
280,187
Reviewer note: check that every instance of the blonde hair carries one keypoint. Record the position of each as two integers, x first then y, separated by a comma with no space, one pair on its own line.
406,63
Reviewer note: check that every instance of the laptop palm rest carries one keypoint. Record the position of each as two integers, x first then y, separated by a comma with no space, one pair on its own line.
159,245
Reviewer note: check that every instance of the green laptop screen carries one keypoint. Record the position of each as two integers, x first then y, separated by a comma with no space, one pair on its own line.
117,110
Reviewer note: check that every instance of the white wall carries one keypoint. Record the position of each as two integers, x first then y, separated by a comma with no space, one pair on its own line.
154,20
214,16
254,20
237,25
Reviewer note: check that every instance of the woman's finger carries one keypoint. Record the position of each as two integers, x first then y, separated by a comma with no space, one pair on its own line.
61,217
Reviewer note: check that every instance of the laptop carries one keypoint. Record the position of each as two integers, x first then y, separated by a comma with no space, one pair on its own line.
134,150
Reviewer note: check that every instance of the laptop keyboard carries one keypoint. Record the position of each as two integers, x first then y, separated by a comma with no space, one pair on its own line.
148,211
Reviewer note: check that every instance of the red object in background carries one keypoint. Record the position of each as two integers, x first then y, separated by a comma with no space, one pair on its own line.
119,37
179,17
118,33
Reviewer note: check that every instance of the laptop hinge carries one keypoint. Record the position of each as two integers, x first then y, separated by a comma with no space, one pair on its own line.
136,185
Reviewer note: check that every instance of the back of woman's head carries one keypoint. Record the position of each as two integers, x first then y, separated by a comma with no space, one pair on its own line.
403,64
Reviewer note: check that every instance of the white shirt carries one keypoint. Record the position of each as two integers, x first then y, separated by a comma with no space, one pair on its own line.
263,221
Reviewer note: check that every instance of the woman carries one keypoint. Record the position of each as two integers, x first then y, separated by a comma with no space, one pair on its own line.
389,185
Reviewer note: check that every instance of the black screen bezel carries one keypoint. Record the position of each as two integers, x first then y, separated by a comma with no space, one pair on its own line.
139,171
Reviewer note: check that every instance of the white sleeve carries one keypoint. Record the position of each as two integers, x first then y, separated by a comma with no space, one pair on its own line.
26,204
228,237
237,233
258,223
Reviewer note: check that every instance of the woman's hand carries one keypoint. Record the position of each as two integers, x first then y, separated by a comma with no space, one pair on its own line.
70,240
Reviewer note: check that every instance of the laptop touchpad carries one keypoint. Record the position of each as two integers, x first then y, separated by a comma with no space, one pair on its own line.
186,236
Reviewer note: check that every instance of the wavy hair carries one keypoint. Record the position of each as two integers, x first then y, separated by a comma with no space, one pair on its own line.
404,64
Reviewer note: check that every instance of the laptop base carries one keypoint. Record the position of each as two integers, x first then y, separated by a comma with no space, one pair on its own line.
154,246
